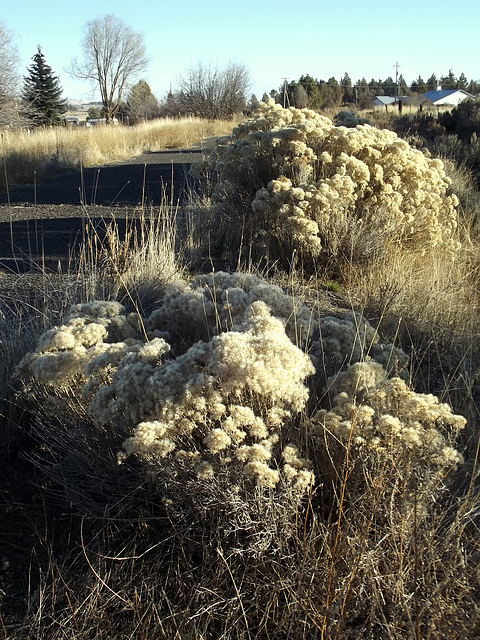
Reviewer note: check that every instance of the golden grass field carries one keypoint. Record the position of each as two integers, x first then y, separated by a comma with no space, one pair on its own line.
41,152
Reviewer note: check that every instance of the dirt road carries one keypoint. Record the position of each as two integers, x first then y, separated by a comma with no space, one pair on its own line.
44,223
147,178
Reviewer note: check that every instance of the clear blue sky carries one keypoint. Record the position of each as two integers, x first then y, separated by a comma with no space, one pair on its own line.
274,39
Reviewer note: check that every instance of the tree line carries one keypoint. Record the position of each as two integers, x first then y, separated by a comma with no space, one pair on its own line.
325,94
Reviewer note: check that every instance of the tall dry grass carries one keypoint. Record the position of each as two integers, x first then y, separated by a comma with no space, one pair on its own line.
26,156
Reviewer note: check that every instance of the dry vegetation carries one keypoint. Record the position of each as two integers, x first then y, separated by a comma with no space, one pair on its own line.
42,152
284,454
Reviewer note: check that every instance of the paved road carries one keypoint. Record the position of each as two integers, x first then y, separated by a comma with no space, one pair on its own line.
147,179
52,230
36,244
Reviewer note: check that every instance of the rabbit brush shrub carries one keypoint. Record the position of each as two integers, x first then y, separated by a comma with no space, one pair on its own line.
221,402
386,416
391,446
288,181
214,381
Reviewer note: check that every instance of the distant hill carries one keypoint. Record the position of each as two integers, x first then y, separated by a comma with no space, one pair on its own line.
76,106
80,109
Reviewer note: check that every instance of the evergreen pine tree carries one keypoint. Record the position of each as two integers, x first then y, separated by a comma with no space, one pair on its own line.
42,92
449,81
419,86
462,81
141,103
432,82
348,92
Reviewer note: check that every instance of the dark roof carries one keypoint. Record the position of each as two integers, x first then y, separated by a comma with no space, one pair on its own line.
438,94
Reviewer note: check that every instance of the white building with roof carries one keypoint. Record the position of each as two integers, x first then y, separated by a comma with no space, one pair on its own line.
386,101
451,97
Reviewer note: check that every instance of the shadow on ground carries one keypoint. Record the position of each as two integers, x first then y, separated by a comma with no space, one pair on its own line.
49,244
73,199
148,179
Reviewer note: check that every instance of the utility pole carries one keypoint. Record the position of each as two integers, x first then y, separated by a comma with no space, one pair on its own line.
396,66
285,94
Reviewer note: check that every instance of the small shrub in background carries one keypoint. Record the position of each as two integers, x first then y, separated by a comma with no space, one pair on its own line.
463,120
452,134
349,119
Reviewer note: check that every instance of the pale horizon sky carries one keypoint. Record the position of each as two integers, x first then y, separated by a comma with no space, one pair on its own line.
273,40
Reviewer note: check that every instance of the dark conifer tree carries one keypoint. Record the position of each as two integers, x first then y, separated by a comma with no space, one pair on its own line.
348,92
42,93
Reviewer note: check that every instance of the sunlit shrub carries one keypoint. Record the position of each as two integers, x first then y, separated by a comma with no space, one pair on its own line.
288,181
395,445
216,302
214,404
387,417
214,380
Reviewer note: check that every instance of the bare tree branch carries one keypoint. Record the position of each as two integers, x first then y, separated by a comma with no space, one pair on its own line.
212,92
113,55
11,114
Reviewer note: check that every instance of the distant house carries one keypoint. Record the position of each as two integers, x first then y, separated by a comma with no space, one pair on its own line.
70,121
386,101
451,97
94,122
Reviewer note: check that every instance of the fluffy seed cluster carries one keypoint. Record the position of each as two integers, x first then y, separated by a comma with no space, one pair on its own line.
312,185
221,402
385,417
63,352
212,380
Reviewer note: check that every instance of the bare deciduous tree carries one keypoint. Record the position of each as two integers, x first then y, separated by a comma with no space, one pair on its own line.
10,109
113,55
211,92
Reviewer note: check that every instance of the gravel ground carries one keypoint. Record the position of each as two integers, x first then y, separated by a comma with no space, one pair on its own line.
40,239
50,217
149,178
46,233
44,226
23,213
